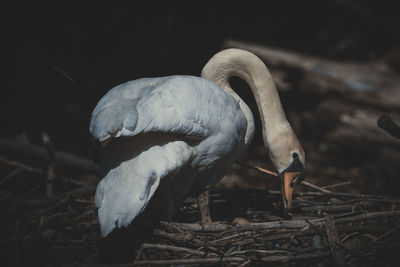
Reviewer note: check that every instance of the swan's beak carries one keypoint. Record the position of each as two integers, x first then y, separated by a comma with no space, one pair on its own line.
288,180
293,175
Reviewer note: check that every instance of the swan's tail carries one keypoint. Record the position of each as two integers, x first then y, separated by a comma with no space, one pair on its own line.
126,189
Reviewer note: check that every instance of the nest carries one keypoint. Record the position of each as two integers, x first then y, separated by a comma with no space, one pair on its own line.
338,228
249,229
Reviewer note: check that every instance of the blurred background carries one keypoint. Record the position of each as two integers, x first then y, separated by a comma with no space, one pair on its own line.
336,64
64,58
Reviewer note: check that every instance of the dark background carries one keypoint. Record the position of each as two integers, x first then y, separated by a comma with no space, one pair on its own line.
62,58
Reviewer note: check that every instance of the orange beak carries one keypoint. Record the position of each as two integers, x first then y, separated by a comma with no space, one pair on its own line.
288,183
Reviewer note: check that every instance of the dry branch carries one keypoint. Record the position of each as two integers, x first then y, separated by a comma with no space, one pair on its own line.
294,224
191,261
387,124
257,243
173,248
21,166
336,185
336,207
9,176
334,243
350,78
168,262
286,259
260,169
67,160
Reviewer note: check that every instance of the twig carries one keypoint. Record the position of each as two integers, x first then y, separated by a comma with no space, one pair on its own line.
348,236
257,168
348,195
174,248
245,263
333,238
227,238
52,165
203,204
168,262
192,261
285,259
326,208
260,169
315,187
63,73
294,224
336,185
65,159
21,166
219,227
139,254
296,233
387,233
10,175
386,123
369,215
257,251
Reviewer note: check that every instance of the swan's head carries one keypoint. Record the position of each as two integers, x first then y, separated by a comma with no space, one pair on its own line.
288,157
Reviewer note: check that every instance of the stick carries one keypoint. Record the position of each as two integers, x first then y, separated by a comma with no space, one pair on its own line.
336,185
370,215
65,159
386,123
334,243
174,248
179,238
219,227
295,233
52,165
294,224
10,175
285,259
260,169
258,251
50,179
192,261
204,207
168,262
387,233
315,187
63,73
327,208
21,166
245,263
349,195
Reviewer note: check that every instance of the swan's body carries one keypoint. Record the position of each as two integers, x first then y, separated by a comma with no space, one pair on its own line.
168,136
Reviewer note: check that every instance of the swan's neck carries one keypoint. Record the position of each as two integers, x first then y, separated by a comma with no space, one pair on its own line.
240,63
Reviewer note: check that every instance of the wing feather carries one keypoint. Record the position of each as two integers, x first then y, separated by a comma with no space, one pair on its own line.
126,190
175,104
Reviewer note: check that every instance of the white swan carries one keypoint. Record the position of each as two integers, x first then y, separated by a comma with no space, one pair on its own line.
171,135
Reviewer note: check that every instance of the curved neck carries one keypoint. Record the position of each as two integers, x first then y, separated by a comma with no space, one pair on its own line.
245,65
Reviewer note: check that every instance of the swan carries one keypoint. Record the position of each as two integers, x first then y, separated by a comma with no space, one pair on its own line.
166,137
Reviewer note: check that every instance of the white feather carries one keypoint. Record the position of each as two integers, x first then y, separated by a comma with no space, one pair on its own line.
125,191
167,136
198,124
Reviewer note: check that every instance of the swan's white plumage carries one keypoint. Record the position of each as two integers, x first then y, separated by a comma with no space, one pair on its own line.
125,191
200,129
167,136
175,104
